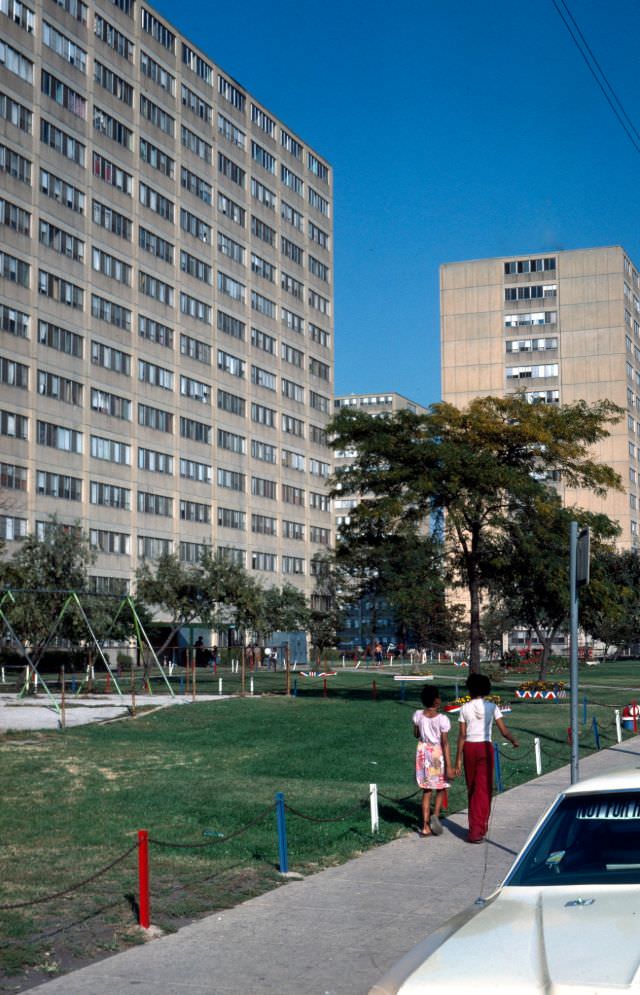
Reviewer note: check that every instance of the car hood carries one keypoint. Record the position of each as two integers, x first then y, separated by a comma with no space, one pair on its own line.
551,941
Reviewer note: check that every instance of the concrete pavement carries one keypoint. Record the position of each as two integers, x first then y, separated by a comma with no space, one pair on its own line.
336,932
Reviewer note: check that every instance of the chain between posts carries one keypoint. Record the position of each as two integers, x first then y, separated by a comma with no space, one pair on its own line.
213,842
310,818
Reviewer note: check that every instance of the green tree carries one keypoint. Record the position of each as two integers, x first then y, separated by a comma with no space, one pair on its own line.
610,605
476,466
327,603
178,590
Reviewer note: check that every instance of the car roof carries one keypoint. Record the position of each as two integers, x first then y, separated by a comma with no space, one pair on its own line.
622,780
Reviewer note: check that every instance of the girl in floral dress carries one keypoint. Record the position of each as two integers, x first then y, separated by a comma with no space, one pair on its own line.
433,759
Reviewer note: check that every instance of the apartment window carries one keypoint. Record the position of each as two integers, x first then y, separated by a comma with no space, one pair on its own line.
104,541
59,190
319,502
60,240
264,525
111,220
112,313
14,426
293,530
232,288
291,355
318,202
292,426
263,194
155,462
232,555
63,94
110,35
195,349
196,185
193,102
263,158
293,461
195,389
196,431
154,27
530,265
291,179
292,565
197,64
194,511
292,286
15,217
527,372
196,144
230,169
264,488
231,479
19,13
320,303
192,470
157,376
262,415
15,62
195,308
14,322
15,113
59,437
263,451
155,418
111,266
263,231
157,73
158,289
110,358
319,336
231,132
13,269
320,535
542,396
231,210
293,495
156,201
231,364
534,345
291,250
155,504
110,450
152,547
319,468
317,168
112,174
155,331
192,552
522,293
157,159
293,391
318,235
15,164
195,267
531,318
318,269
58,485
231,93
263,378
291,216
114,84
289,143
232,403
193,225
229,518
264,561
263,305
110,404
231,441
60,290
261,340
232,249
319,369
155,245
262,268
12,527
108,125
292,320
13,477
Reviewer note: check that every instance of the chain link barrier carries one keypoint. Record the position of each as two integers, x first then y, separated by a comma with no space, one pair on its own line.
223,839
340,818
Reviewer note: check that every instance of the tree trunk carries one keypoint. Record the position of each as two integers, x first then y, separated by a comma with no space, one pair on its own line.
475,633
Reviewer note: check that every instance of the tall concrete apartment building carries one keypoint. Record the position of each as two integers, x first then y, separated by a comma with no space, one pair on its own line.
563,326
166,287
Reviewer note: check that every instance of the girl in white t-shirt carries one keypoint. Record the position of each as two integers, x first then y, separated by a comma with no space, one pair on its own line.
433,759
474,745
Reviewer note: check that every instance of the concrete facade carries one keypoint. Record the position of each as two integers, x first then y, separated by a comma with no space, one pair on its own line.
166,299
563,326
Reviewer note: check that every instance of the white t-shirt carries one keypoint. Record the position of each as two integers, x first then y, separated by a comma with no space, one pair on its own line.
431,729
478,715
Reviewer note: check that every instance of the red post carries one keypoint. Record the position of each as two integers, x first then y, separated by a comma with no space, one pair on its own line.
143,878
374,690
445,800
634,712
324,687
569,735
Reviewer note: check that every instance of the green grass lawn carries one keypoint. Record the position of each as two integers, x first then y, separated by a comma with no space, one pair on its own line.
73,801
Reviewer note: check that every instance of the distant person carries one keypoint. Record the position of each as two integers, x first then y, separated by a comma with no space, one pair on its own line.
475,747
433,758
200,652
378,652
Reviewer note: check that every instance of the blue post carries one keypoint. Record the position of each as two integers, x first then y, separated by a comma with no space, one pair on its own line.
181,686
295,687
282,833
596,734
498,769
584,710
74,684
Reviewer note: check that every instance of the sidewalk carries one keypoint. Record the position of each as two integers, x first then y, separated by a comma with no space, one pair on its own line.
336,932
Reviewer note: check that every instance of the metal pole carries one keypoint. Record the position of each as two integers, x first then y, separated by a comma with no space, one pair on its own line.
144,905
498,768
538,755
618,727
282,833
373,800
573,598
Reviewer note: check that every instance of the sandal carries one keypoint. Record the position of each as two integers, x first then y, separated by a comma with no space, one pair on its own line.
423,834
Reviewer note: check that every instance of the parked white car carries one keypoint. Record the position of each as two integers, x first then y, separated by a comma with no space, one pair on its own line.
566,919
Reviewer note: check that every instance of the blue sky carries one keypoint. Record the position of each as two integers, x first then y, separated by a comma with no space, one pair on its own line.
455,131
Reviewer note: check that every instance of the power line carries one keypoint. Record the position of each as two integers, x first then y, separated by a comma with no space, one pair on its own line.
598,74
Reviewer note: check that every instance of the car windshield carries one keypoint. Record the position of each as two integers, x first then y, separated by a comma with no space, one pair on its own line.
586,839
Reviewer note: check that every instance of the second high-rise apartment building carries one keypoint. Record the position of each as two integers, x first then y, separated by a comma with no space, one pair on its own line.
166,346
563,327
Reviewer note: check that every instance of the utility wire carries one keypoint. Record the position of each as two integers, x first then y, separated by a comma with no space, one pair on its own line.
598,74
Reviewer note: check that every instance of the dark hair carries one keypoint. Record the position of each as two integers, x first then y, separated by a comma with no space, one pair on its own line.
478,685
429,694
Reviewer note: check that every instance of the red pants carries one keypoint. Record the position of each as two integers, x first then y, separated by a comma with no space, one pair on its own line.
478,773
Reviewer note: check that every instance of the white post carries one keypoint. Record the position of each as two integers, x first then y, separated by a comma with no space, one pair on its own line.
342,665
219,685
35,681
171,666
3,680
392,659
251,685
373,800
536,746
26,678
618,726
